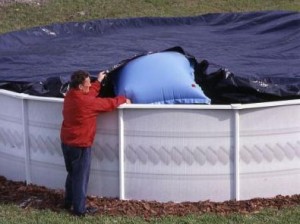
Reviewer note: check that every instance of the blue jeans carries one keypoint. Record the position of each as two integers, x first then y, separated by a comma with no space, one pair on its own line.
78,163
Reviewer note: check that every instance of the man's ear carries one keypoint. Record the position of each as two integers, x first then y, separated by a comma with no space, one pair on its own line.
80,86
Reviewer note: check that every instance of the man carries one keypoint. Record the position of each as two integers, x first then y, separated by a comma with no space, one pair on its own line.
80,109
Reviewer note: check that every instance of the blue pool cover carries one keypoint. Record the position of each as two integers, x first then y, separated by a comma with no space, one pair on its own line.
238,57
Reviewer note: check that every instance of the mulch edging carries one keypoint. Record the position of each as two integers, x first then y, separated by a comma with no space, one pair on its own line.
38,197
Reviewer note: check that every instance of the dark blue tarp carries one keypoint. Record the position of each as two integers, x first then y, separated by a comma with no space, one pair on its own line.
259,50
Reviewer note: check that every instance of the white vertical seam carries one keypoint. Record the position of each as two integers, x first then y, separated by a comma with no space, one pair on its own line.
237,153
26,140
121,156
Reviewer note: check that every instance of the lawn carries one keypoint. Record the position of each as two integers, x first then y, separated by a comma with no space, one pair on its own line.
12,214
19,16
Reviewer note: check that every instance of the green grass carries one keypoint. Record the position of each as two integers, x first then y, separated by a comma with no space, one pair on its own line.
12,214
18,16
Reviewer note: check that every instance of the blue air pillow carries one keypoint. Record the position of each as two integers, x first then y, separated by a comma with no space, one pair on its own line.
159,78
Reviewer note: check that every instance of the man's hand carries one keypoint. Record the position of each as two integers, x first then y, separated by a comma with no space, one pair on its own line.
128,101
101,76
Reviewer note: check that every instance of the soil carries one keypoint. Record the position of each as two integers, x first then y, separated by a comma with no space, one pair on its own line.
38,197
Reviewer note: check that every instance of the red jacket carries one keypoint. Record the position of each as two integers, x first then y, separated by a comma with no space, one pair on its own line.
80,113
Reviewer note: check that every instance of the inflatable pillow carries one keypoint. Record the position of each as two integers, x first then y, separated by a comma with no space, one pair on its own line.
159,78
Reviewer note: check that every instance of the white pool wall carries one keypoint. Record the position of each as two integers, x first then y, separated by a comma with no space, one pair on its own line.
161,152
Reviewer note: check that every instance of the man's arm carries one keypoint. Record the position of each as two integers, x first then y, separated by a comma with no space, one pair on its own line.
96,86
108,104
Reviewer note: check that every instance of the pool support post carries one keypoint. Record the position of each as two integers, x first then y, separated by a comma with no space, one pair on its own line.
121,156
26,140
236,150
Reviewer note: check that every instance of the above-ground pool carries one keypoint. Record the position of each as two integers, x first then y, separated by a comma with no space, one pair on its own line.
161,152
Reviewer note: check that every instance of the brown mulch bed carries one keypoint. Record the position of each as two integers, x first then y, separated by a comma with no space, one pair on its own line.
32,196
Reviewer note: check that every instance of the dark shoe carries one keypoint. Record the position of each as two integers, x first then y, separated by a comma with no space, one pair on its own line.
79,214
91,210
88,211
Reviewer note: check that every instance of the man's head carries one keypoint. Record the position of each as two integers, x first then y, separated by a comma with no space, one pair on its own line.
81,80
